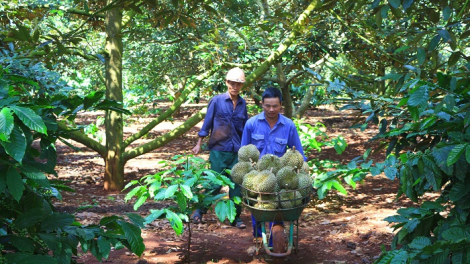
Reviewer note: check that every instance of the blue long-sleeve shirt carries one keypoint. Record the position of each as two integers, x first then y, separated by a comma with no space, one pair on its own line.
271,141
224,123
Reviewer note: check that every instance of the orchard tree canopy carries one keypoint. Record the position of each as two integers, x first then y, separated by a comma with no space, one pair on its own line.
108,49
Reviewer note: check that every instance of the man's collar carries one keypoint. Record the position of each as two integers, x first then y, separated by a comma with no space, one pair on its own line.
226,96
279,120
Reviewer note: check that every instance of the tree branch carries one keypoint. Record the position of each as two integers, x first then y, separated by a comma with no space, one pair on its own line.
275,55
164,139
80,137
170,110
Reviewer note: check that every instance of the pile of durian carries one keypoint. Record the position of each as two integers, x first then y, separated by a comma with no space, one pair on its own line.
276,183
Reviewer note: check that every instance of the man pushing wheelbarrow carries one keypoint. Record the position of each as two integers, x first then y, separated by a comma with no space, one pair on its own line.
276,184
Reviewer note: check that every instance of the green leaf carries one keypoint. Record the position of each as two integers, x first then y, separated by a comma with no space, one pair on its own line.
170,191
420,242
186,190
453,59
16,148
22,244
221,210
340,144
136,219
140,201
446,12
30,119
419,97
231,210
133,192
35,175
181,201
29,218
421,56
434,42
51,240
378,18
458,191
33,259
455,234
400,258
467,154
396,219
455,154
104,246
190,182
339,187
92,98
394,3
15,183
444,35
133,236
384,12
175,222
391,172
56,221
154,214
6,123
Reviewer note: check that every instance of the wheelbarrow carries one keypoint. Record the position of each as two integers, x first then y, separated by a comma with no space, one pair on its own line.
258,202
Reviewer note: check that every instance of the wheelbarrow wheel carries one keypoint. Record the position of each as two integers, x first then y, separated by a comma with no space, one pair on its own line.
279,242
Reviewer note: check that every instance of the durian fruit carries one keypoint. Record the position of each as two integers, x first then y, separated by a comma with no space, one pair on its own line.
290,199
267,201
248,153
305,168
287,178
267,162
249,181
239,170
292,158
265,182
304,181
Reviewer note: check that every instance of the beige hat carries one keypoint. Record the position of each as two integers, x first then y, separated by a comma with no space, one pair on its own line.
236,75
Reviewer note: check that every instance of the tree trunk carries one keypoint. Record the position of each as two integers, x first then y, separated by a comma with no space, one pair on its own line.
114,165
286,98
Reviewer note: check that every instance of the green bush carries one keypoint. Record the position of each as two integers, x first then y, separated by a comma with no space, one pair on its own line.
31,231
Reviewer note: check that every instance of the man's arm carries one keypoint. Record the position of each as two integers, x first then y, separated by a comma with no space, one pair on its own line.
197,148
206,126
246,136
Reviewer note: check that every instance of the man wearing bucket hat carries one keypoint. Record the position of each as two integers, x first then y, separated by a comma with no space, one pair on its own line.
225,118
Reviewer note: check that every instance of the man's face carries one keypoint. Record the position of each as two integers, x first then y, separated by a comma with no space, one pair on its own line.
234,87
271,107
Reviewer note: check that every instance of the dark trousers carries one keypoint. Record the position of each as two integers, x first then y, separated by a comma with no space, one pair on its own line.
220,161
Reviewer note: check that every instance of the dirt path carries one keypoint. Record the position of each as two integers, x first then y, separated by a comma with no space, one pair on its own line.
338,229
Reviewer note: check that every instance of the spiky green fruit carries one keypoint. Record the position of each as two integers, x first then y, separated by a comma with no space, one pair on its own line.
269,162
249,181
304,181
287,178
267,201
265,182
248,153
305,168
290,199
239,170
292,158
